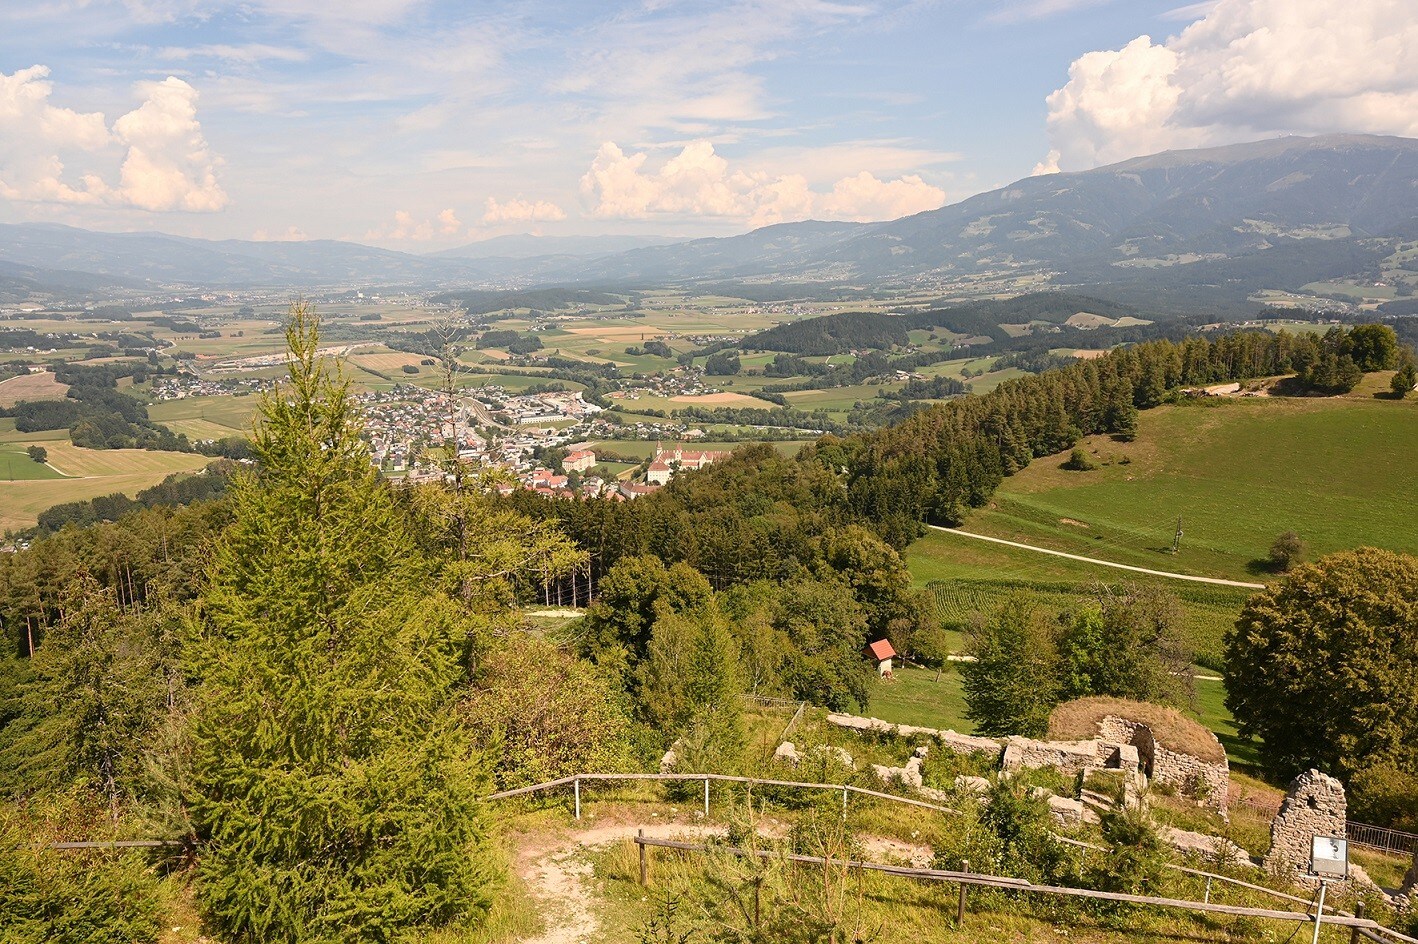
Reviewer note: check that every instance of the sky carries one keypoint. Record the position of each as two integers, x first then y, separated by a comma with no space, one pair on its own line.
425,124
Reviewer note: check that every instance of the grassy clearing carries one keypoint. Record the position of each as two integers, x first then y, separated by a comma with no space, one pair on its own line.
977,576
918,696
1237,472
1338,471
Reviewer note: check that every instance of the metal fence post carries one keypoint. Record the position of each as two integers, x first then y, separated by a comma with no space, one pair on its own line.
644,863
576,786
1207,897
960,908
844,803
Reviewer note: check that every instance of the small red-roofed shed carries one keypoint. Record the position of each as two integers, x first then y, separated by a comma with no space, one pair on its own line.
883,652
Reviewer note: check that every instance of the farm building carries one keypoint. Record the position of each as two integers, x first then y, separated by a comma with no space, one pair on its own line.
883,652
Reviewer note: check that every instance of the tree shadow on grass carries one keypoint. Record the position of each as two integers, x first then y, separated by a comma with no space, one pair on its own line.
1263,567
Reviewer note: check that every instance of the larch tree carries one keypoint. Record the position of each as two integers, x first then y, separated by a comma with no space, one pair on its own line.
334,792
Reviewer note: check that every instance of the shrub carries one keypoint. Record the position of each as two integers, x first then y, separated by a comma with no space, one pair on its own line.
49,898
1286,551
1012,835
1385,796
1136,857
552,715
1079,461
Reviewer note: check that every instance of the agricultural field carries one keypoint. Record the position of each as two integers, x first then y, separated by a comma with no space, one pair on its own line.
75,474
31,387
206,417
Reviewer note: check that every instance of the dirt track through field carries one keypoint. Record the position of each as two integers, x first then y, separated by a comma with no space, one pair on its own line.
1102,563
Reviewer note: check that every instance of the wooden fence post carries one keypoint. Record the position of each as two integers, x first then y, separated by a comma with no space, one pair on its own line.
576,786
1359,909
960,908
644,863
844,803
706,797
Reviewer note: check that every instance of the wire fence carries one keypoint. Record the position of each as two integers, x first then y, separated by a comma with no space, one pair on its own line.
1381,838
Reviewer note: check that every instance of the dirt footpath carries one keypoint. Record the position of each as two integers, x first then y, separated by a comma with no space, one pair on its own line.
559,876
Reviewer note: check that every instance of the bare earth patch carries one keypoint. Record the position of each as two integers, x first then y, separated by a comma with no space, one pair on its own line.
558,874
1072,522
737,399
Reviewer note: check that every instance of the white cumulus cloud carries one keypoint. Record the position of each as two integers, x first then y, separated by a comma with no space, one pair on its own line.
699,182
169,166
166,163
518,210
863,197
33,136
1246,69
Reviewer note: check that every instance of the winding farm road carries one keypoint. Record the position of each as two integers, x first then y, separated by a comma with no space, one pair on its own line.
1101,563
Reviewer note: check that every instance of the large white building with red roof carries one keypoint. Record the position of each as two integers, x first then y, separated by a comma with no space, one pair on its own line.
669,461
578,461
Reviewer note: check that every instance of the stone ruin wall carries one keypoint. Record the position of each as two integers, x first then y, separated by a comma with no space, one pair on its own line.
1070,757
1315,805
1205,781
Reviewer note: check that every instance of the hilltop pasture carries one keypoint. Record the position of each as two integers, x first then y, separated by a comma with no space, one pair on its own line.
1238,472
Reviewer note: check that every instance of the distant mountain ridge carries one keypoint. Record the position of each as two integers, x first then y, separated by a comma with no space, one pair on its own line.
160,259
1210,226
1173,209
527,246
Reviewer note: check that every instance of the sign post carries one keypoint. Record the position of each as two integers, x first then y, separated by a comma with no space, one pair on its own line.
1329,861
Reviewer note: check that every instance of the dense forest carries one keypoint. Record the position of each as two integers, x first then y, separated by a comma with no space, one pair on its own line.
857,330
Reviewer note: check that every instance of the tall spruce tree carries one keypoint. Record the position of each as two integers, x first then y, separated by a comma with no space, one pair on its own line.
334,793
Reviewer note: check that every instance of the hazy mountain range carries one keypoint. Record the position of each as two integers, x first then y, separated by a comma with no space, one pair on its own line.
1274,214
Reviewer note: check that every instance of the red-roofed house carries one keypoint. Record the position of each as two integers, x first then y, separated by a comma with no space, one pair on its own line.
883,652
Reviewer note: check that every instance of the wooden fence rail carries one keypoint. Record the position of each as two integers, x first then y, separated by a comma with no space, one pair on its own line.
1007,883
846,790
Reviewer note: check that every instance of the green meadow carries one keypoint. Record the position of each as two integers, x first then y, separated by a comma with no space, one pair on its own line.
1237,472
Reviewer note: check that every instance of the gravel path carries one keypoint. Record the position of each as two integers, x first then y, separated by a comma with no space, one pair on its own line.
1102,563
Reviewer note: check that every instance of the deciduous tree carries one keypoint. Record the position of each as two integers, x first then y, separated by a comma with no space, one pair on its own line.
1323,666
